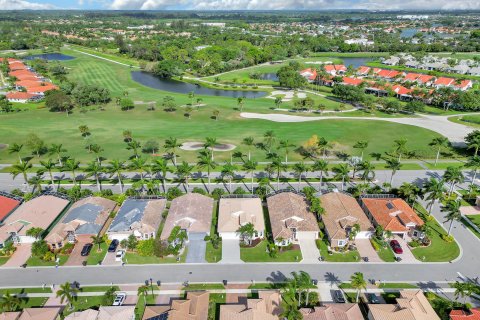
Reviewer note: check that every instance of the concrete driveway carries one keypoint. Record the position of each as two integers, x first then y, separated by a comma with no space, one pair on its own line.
196,248
20,256
231,251
75,258
407,255
365,249
109,260
309,249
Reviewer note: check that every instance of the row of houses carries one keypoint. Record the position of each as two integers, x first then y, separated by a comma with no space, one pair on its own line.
29,85
290,217
54,313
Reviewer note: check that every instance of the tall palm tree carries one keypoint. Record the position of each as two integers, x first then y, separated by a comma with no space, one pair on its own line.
324,146
57,149
305,283
240,103
409,192
205,160
452,208
36,181
9,302
249,142
94,169
97,240
279,167
116,167
16,148
171,145
463,289
394,165
439,143
269,139
362,145
161,165
299,168
322,167
341,171
286,145
21,168
291,312
209,144
140,165
368,171
228,171
250,166
48,166
433,190
453,175
400,147
246,232
97,149
474,164
67,293
184,171
72,166
358,282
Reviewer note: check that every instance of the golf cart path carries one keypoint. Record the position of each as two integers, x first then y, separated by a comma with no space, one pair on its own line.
455,132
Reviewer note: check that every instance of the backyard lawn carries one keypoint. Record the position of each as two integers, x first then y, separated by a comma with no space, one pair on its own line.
349,256
140,307
259,254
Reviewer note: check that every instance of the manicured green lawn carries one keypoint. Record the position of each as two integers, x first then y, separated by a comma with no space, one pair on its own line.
140,307
444,165
36,262
96,256
26,290
349,256
213,255
83,303
134,258
259,254
204,286
395,285
98,288
216,299
30,303
476,220
386,254
3,260
475,232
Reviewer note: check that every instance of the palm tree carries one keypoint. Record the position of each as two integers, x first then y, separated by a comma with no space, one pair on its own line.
240,103
433,189
249,142
97,149
439,143
97,240
228,170
400,147
16,148
324,146
143,291
299,168
291,312
210,143
342,172
205,160
9,303
94,169
250,166
161,165
322,167
269,139
358,282
474,164
139,164
84,131
246,232
36,181
463,289
34,232
278,166
21,168
305,283
409,192
171,145
286,145
452,208
368,171
116,167
72,165
184,171
67,293
135,146
215,114
362,145
394,165
48,166
453,175
57,149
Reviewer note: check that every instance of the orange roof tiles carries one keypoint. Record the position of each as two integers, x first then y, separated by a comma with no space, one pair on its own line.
443,81
352,81
17,95
7,205
474,314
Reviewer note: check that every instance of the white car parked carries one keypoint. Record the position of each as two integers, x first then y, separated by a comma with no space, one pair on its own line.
119,299
119,255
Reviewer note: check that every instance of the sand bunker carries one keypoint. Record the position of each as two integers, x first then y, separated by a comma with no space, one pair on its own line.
193,146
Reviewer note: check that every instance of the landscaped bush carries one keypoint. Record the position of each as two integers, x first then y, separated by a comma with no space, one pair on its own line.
447,238
414,243
376,246
146,247
173,193
199,191
67,248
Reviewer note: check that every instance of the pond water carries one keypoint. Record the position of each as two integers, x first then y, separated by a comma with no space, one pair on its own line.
50,56
170,85
269,76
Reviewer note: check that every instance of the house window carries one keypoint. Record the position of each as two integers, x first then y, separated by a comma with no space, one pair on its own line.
53,245
341,243
59,244
146,235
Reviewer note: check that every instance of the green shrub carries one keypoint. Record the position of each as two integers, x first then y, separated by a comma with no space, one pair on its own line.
376,246
146,248
447,238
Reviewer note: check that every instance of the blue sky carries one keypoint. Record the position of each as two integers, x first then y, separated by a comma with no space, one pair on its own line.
241,4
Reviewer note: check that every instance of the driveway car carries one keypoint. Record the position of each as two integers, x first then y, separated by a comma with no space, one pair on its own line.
338,296
86,249
397,248
119,256
113,246
372,298
119,299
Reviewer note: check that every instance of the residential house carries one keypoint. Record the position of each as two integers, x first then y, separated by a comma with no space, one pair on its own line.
411,305
412,64
463,85
40,212
266,307
40,90
363,70
8,203
140,217
22,97
10,315
460,69
402,93
411,77
389,75
442,82
335,69
104,313
392,214
84,219
392,61
45,313
342,214
426,80
333,311
474,71
472,314
291,219
194,307
236,212
192,212
348,81
309,74
435,66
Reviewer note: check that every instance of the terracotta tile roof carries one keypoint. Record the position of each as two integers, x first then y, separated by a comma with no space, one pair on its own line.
116,313
412,76
363,70
266,307
392,214
45,313
17,65
474,314
153,311
41,89
412,305
463,84
17,95
235,212
7,205
333,311
195,307
9,315
287,210
191,211
443,81
401,90
425,78
352,81
385,73
88,314
19,74
29,83
312,73
342,211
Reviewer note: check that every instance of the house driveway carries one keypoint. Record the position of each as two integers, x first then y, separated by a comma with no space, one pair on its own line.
309,249
365,249
75,258
407,255
20,256
196,248
231,251
109,259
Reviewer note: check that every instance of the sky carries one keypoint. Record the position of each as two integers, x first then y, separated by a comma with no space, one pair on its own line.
240,4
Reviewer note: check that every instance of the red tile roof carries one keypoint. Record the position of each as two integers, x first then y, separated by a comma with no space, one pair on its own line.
42,88
412,76
401,90
17,95
463,84
7,205
364,70
28,83
17,66
425,78
443,81
465,315
311,71
352,81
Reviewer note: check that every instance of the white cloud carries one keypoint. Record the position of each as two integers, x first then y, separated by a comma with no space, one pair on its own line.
22,5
